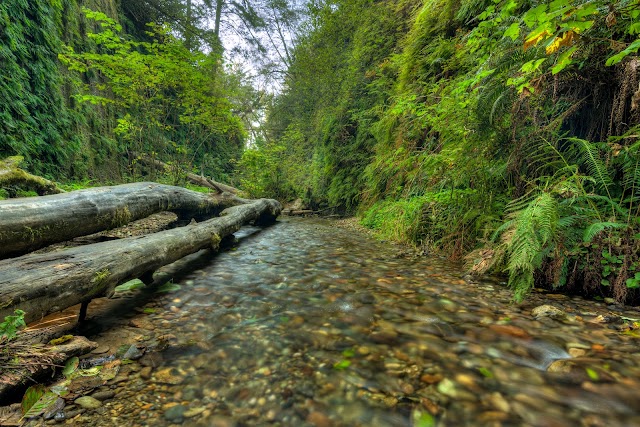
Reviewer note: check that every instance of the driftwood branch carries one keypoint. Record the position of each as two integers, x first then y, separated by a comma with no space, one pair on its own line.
34,361
192,177
31,223
45,283
11,175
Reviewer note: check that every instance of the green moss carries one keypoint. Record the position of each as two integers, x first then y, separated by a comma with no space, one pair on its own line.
63,339
121,217
215,242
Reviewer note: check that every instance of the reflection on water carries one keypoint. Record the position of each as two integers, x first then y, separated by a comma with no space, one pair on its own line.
307,324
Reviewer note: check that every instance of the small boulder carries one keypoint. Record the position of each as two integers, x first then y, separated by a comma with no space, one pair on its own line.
88,402
548,311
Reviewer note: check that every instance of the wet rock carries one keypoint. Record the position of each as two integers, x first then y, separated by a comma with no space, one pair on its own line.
498,401
132,353
548,311
88,402
319,419
510,330
55,409
175,414
431,378
101,349
170,376
384,337
145,373
103,395
192,412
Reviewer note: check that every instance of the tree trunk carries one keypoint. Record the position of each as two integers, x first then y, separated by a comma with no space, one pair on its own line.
31,223
45,283
192,177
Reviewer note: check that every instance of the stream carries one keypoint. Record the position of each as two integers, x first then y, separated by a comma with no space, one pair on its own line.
308,324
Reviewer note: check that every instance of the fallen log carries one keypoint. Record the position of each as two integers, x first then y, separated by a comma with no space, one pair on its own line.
11,175
31,223
192,177
45,283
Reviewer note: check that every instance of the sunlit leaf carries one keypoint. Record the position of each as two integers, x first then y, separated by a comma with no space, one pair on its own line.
130,285
45,401
70,366
168,287
564,60
537,35
565,39
632,48
342,365
592,374
513,31
31,396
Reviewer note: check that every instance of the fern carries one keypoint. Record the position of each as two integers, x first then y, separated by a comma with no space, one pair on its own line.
595,228
534,229
589,155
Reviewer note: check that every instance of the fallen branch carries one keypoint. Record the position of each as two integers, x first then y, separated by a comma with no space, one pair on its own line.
45,283
25,362
27,224
192,177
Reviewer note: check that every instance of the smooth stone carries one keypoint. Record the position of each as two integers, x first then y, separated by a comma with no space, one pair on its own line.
103,395
169,376
145,373
550,311
175,414
194,411
318,419
132,353
88,402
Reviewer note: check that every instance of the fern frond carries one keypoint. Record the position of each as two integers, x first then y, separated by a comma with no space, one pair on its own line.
589,155
595,228
534,231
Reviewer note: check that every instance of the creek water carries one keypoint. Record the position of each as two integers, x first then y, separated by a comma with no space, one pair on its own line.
308,324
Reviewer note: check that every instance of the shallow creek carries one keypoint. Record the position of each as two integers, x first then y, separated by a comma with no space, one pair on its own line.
308,324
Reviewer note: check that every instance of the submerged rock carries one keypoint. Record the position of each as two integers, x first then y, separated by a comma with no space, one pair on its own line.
548,311
88,402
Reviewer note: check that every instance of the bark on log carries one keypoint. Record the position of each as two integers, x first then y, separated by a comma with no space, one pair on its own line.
11,175
31,223
45,283
196,179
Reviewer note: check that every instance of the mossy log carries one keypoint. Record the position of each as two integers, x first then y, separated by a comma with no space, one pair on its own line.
192,177
27,224
45,283
12,176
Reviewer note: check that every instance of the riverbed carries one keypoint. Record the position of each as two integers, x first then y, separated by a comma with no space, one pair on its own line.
308,324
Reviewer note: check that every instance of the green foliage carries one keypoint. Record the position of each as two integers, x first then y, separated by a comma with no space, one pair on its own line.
175,101
447,122
11,324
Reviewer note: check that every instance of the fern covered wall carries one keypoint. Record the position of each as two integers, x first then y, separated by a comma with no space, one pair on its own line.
505,132
48,112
